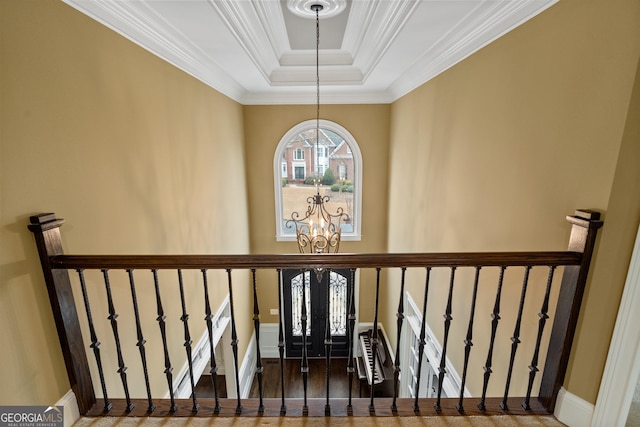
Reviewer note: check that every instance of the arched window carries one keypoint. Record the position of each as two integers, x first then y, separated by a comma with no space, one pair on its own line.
335,160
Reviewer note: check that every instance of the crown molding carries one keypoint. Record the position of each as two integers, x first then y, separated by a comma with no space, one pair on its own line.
253,30
379,24
132,21
275,74
488,22
343,95
307,58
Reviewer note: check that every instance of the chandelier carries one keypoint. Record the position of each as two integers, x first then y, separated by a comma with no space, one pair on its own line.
318,231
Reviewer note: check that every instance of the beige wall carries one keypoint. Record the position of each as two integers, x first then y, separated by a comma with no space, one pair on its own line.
136,155
494,153
610,268
264,127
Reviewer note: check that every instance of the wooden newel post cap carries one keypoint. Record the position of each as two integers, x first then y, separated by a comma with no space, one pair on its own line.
586,218
44,221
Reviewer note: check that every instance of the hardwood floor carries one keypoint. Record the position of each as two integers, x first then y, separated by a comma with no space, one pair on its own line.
271,385
204,387
316,383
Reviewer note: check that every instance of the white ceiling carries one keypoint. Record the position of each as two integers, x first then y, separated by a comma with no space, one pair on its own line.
259,52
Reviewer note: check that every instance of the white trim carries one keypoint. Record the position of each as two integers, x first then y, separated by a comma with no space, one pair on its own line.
623,362
357,163
433,350
297,164
269,340
136,22
573,411
259,30
200,353
247,369
70,408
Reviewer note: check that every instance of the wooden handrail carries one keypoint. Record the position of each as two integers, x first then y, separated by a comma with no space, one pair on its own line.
303,261
576,260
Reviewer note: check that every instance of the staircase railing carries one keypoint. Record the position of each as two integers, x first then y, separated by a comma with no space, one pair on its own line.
574,264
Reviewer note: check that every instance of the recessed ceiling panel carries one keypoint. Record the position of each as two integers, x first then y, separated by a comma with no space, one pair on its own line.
302,31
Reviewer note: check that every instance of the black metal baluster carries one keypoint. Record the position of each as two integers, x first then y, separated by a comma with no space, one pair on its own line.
515,339
495,318
141,341
422,342
328,343
533,368
187,342
468,342
95,344
113,318
256,326
283,407
168,369
234,344
304,364
351,325
212,354
374,342
396,365
447,324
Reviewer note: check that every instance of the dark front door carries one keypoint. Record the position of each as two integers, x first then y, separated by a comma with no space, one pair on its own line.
327,300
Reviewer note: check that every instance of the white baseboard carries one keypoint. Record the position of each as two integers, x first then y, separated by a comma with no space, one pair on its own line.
432,349
269,340
573,410
70,405
200,354
248,368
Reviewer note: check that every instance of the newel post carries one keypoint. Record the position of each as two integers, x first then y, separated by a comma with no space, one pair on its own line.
46,230
582,239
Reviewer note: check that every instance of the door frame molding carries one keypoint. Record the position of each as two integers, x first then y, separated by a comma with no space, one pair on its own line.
356,301
318,304
623,361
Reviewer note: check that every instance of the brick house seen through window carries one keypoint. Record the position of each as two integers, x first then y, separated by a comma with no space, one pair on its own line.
335,161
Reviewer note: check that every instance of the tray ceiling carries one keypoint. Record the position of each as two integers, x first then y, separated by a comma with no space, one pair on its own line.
263,51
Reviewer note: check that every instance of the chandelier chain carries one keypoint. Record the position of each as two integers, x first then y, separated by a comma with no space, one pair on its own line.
317,9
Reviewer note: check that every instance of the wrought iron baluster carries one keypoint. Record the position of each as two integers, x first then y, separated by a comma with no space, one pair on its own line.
396,365
374,342
113,318
351,327
234,344
187,342
304,364
212,354
283,406
447,324
256,326
95,344
168,369
543,315
141,341
422,342
468,342
328,343
515,339
495,318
